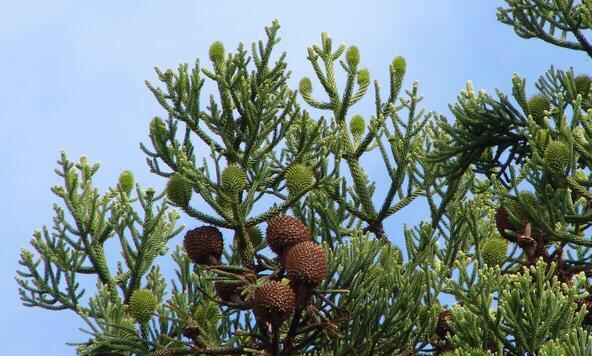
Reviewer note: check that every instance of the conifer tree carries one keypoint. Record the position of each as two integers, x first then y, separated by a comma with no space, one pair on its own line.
507,185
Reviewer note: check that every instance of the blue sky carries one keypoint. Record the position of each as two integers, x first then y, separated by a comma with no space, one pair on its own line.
72,77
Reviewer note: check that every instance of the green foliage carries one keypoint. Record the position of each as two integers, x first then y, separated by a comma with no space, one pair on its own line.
561,23
532,306
577,342
385,323
522,293
583,83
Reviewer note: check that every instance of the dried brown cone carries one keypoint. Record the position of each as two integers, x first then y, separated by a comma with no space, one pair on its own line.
204,245
191,332
306,264
228,292
285,231
274,302
502,221
442,328
163,352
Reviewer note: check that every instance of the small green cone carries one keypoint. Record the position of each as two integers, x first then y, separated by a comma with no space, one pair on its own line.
352,56
363,77
493,251
234,179
298,178
399,65
217,52
357,126
126,181
305,85
158,131
178,190
556,156
537,105
142,305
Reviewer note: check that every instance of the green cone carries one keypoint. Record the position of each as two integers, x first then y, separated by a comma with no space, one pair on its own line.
298,178
142,305
493,251
178,190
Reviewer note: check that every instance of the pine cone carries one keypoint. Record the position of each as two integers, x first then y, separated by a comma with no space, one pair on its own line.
234,179
306,264
126,181
298,178
537,105
285,231
178,190
204,245
442,328
493,251
274,302
227,291
142,304
502,220
357,125
163,352
557,156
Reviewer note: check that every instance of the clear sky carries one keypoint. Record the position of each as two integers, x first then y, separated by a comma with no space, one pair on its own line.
72,77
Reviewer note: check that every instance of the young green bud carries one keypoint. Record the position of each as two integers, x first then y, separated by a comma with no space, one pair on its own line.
399,65
352,56
581,176
583,83
305,86
157,129
234,179
217,52
357,125
493,251
298,178
178,190
168,74
557,156
126,181
142,305
537,105
363,77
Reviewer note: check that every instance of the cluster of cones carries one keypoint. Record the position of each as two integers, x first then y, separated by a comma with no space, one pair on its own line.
302,266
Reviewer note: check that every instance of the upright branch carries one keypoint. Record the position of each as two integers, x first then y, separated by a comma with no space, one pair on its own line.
405,140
